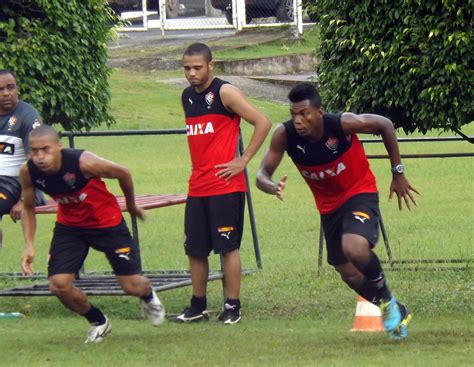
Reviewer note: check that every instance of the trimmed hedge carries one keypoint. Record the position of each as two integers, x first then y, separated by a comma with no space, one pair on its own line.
409,60
58,50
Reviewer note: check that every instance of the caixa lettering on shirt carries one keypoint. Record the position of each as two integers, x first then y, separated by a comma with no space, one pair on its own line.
70,199
199,129
329,172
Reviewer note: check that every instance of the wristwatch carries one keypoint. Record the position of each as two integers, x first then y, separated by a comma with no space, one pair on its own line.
398,169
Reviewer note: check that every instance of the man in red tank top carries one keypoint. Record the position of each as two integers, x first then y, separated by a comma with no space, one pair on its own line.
331,159
215,204
88,216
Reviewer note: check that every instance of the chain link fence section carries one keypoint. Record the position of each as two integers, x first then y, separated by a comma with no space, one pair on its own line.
210,14
194,14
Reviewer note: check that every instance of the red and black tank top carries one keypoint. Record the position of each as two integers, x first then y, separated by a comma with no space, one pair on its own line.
82,202
213,134
335,167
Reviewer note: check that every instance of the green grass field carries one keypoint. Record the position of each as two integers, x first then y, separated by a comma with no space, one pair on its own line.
308,43
291,315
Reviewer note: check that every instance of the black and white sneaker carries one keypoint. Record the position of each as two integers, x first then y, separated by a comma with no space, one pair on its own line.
230,315
190,314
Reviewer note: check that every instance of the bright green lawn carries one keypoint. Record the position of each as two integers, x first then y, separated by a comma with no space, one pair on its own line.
308,43
292,316
302,342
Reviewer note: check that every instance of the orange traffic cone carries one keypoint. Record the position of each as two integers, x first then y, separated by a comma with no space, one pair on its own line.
367,317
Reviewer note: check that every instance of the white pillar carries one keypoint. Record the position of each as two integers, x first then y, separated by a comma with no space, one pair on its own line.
240,13
145,15
162,7
299,16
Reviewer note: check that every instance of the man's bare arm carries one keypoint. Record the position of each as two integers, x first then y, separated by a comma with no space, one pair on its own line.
28,220
269,164
94,166
235,101
376,124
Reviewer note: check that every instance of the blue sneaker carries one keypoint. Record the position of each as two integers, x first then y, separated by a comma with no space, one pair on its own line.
391,314
401,331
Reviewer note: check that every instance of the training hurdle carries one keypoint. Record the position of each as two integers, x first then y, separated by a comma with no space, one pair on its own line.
145,201
104,283
94,284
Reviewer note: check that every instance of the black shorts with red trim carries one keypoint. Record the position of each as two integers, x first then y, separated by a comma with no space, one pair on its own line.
358,215
70,246
213,223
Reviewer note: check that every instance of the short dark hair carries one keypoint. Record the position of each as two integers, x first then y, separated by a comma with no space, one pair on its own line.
6,71
199,49
44,130
305,91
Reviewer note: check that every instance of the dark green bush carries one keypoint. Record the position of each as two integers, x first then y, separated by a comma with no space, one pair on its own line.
58,50
410,60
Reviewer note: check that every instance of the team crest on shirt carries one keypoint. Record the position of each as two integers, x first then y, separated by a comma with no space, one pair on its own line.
332,143
12,122
209,97
69,178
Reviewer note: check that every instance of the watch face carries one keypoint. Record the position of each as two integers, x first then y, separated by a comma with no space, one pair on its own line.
398,168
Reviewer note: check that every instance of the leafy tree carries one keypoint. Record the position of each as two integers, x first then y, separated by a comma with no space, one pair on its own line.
411,60
58,50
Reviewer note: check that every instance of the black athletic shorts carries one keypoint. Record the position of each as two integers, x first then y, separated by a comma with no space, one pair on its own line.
70,246
359,215
10,191
213,223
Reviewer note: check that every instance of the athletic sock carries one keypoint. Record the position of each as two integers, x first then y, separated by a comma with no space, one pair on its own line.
148,298
369,292
95,316
375,285
199,303
234,303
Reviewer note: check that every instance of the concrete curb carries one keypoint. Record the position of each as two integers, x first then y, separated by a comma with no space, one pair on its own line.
289,64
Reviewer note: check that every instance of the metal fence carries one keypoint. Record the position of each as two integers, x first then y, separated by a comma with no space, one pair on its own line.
394,264
211,14
104,284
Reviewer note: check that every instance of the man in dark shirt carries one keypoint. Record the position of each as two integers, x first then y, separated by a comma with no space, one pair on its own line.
17,119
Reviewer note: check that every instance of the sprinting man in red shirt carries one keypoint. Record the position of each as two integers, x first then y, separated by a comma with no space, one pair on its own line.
215,204
327,152
88,216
